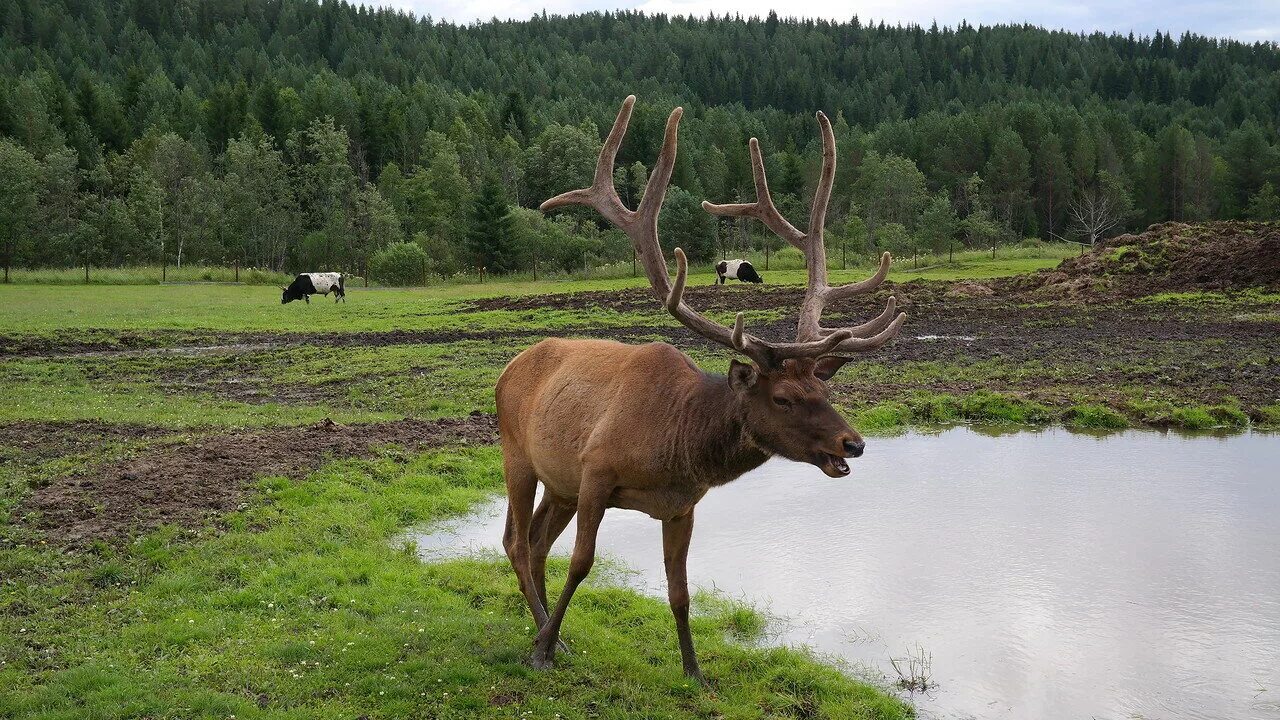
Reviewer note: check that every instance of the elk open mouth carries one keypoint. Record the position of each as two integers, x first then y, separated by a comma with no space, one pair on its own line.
833,465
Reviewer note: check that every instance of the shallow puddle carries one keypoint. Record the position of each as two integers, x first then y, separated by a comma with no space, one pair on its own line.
1047,575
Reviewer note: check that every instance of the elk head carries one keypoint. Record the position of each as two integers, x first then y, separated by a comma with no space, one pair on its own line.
781,394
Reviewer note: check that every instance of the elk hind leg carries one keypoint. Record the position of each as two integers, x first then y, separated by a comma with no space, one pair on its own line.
592,501
522,485
549,522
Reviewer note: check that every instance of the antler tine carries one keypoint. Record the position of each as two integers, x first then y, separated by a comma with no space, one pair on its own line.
602,195
811,337
864,286
655,190
765,354
763,208
738,339
641,226
873,326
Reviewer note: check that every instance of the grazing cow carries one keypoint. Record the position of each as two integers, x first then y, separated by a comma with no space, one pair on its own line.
739,270
308,284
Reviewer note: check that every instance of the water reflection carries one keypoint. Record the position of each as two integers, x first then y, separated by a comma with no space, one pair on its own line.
1049,575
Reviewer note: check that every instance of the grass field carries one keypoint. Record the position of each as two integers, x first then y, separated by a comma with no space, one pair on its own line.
294,599
1023,258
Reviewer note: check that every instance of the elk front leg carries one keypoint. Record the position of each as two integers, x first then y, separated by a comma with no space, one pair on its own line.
676,534
591,506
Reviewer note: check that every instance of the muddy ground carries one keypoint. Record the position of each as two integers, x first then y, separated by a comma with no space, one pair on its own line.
187,480
1166,257
1083,332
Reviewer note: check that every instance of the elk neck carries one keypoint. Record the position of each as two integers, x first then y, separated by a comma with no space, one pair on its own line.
714,444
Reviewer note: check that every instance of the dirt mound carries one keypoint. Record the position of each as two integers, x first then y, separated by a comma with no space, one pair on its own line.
187,482
1169,257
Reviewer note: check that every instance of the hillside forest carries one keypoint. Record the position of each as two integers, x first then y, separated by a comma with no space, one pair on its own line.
295,135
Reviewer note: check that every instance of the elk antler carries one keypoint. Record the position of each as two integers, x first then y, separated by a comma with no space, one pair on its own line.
641,225
864,337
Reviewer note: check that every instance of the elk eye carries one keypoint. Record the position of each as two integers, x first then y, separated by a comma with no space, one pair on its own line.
781,402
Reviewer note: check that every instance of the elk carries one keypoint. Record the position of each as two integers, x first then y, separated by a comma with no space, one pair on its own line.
607,425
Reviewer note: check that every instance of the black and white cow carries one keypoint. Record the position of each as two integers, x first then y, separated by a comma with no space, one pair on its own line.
308,284
739,270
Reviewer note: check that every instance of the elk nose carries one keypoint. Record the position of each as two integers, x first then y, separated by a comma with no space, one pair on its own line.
854,448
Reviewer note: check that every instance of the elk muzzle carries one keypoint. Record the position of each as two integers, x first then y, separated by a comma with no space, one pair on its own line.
833,464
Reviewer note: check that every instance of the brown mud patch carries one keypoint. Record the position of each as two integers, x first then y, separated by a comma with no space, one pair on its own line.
1167,257
40,441
186,483
186,343
1190,351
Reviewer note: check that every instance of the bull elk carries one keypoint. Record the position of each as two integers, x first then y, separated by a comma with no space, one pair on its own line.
607,425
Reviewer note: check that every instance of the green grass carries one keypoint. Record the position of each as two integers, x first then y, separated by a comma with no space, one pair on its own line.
148,275
233,308
45,309
306,607
979,261
1096,416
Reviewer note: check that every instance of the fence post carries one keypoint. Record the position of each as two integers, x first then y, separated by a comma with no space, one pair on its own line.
993,252
844,244
86,272
951,252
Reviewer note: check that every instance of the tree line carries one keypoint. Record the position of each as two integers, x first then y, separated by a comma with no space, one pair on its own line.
290,134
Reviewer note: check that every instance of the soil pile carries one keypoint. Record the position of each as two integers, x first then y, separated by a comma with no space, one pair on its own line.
1169,257
188,482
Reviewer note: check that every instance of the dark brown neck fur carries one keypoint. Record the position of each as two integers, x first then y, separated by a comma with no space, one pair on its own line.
714,445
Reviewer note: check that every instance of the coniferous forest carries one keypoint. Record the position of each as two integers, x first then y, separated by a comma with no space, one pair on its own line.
295,135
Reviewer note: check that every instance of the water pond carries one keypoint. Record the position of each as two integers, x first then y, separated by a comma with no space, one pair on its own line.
1043,575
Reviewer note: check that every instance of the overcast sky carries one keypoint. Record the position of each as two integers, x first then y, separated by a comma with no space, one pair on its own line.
1247,20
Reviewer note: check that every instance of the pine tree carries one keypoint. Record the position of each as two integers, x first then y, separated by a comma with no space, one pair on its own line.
1265,204
1007,178
19,200
491,233
1052,185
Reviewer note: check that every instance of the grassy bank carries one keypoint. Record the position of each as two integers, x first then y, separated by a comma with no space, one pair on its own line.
303,607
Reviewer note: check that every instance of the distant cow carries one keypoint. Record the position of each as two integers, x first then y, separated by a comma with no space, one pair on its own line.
308,284
739,270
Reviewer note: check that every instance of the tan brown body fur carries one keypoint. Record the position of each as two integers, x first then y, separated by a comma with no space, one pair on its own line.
662,430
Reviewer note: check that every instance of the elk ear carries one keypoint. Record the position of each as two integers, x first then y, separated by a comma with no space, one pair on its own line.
826,367
742,376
